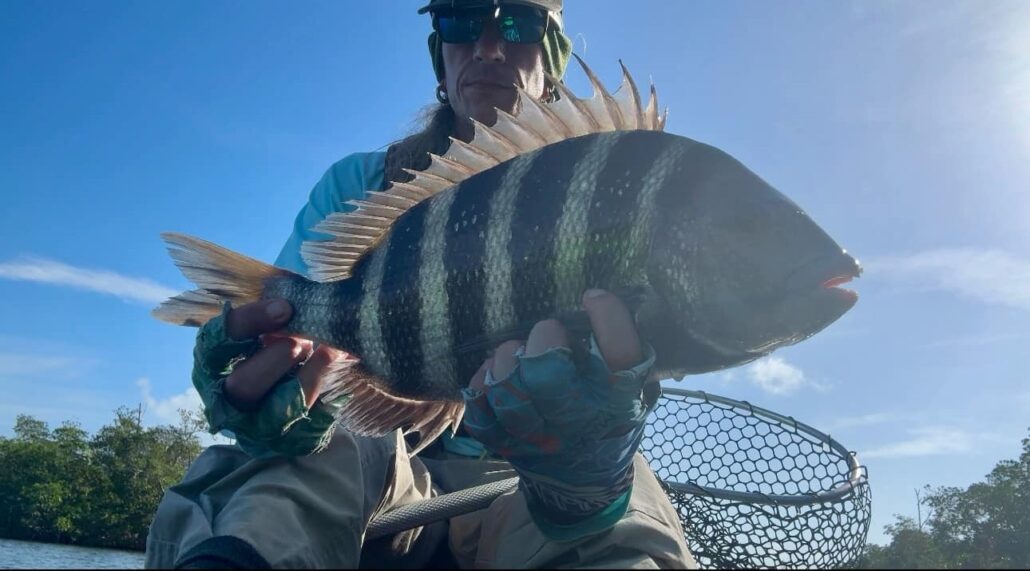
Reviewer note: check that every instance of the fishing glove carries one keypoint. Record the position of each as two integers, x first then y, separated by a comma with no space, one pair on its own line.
570,434
281,425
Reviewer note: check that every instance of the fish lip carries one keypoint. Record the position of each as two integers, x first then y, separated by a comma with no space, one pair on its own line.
827,272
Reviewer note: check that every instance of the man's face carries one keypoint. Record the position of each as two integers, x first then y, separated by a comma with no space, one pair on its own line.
481,76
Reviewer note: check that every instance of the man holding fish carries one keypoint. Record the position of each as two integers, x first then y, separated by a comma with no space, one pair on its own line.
564,413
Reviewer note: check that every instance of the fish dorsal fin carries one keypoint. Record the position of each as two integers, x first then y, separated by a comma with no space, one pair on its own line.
536,124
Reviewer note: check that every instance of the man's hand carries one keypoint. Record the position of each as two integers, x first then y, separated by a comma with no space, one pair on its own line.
264,386
252,378
570,433
612,325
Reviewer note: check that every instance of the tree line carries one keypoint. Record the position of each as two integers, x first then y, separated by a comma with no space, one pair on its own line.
65,486
62,485
983,526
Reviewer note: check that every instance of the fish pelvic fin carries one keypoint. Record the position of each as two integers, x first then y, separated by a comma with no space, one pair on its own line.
220,274
372,410
535,124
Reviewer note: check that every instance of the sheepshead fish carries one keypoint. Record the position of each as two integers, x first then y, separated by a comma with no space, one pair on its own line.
421,281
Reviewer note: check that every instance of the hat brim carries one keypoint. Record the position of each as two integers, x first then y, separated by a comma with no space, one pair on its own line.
549,5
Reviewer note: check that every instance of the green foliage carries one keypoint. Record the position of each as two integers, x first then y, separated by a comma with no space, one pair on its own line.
985,526
61,485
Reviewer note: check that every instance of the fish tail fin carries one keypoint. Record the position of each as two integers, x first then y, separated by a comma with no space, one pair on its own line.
220,274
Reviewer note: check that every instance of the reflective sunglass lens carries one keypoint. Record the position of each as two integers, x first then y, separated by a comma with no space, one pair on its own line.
459,29
517,24
522,25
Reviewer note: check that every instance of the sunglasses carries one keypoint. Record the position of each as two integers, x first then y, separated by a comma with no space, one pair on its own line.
517,24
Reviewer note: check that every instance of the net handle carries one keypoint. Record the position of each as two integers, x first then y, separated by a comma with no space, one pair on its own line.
856,472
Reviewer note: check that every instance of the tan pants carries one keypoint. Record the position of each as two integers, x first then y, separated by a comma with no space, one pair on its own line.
311,512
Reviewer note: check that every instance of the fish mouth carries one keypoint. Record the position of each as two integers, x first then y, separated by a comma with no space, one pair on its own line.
814,300
826,273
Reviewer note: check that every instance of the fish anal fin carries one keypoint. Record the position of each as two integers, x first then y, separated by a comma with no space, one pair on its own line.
372,410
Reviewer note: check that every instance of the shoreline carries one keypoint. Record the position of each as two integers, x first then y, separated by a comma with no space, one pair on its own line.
77,545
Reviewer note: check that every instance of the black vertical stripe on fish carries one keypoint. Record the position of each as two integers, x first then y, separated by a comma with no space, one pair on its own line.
539,202
611,214
466,271
370,328
337,315
399,299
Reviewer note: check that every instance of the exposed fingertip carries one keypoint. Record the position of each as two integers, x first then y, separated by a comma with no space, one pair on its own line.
594,292
596,298
292,346
307,348
278,310
546,335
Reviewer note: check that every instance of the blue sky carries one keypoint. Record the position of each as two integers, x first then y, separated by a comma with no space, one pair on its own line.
903,128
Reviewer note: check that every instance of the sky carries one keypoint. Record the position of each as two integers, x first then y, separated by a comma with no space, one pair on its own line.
902,128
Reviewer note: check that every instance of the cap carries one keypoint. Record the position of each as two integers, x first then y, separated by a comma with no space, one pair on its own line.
549,5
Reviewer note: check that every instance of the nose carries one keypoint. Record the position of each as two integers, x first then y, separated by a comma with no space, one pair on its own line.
490,46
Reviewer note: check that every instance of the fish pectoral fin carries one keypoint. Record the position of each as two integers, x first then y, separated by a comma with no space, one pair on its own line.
372,410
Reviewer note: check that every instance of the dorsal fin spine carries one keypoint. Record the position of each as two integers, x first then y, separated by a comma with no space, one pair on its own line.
537,124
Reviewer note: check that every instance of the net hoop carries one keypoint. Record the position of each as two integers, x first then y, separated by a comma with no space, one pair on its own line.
858,475
754,488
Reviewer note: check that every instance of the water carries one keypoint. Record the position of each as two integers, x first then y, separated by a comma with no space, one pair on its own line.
30,555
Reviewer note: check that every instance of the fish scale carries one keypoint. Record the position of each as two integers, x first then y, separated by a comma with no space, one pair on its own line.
420,282
414,268
499,283
571,234
400,298
540,200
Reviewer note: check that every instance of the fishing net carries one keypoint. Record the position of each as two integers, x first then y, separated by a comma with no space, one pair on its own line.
755,489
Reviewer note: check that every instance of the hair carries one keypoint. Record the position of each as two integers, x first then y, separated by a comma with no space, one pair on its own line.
412,152
437,126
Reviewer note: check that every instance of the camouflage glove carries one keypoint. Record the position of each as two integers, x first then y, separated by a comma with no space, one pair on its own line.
281,425
571,435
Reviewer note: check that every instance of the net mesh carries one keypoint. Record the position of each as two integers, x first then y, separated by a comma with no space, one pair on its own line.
754,488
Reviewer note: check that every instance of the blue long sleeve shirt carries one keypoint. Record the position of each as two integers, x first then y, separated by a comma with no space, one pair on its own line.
348,179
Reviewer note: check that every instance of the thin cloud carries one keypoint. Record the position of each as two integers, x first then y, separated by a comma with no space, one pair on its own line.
41,270
1024,401
17,365
862,420
930,441
989,276
971,341
21,361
